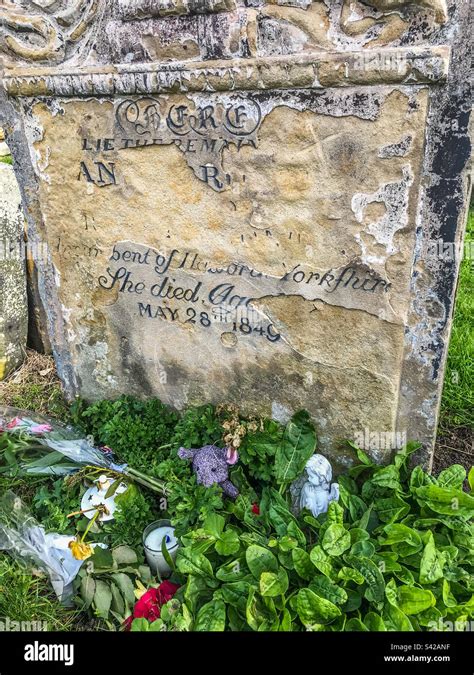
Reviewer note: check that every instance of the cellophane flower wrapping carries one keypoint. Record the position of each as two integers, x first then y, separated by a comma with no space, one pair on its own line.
25,540
61,438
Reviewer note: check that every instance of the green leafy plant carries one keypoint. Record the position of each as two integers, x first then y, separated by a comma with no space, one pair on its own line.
294,450
106,584
197,427
187,503
135,511
257,450
136,430
52,503
394,554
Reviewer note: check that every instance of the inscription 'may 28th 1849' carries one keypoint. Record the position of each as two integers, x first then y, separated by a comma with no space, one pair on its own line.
182,287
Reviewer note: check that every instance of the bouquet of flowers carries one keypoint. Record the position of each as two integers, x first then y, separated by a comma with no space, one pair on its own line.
32,445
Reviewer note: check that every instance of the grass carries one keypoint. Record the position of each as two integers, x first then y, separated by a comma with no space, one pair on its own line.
23,597
6,160
457,404
26,597
35,386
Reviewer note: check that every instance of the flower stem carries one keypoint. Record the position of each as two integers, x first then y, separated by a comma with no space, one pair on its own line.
91,522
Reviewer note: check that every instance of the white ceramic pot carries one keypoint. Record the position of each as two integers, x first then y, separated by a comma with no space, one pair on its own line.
153,536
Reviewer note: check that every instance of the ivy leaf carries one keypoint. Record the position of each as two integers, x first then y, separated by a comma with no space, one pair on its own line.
297,446
211,617
470,478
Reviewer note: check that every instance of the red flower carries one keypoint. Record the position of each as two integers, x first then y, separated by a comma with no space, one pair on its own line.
149,605
256,509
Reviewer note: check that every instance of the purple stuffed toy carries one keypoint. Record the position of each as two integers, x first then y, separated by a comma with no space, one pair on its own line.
211,466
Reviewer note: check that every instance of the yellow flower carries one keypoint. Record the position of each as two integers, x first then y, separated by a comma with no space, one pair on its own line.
80,550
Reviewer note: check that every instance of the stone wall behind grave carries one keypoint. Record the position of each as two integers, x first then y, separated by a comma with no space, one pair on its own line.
238,202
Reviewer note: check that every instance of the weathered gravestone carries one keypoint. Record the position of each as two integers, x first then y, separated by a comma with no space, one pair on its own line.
13,300
245,201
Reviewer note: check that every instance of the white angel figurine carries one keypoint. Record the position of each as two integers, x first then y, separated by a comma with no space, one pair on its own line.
317,491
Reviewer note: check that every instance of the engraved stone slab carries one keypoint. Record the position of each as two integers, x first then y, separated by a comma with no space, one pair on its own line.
239,202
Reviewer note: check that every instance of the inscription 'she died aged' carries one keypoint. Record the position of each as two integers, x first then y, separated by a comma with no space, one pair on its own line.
222,299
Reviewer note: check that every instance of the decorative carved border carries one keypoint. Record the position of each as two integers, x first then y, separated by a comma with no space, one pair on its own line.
415,65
